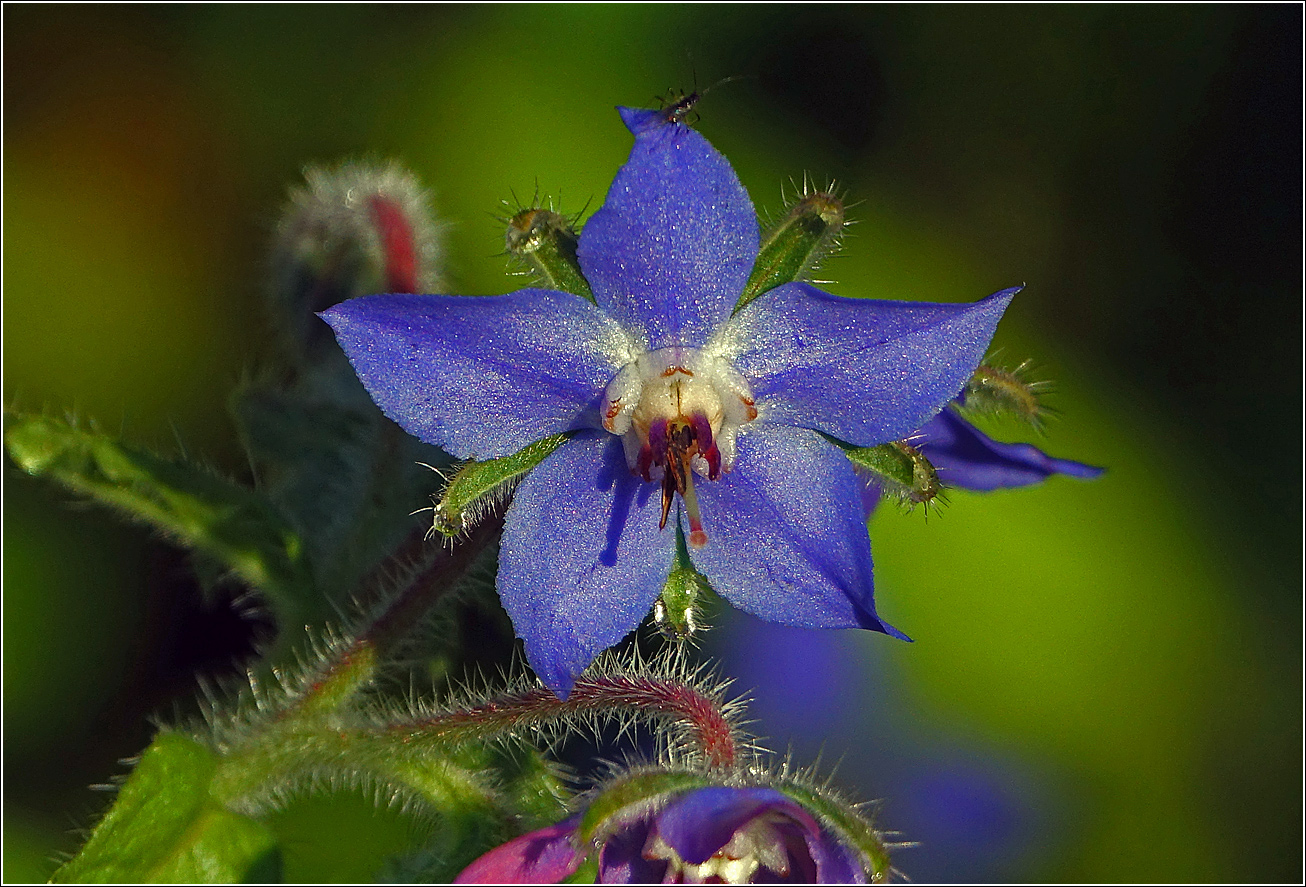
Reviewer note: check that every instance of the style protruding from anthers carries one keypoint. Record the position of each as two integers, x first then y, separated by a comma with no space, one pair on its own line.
678,411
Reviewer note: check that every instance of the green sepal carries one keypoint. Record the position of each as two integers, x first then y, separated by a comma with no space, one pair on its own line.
475,486
528,795
639,790
676,610
901,468
546,242
792,248
228,522
997,391
854,829
165,827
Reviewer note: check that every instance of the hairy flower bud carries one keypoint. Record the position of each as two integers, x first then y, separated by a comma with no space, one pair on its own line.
997,391
354,229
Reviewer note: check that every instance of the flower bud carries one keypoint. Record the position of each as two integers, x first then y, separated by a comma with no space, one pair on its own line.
354,229
997,391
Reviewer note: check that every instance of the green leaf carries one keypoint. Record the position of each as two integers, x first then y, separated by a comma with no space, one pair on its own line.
166,828
196,508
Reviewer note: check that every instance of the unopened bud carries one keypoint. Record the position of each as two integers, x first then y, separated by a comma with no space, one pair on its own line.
545,242
353,230
791,249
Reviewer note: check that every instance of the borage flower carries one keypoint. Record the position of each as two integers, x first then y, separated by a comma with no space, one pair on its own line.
690,415
716,834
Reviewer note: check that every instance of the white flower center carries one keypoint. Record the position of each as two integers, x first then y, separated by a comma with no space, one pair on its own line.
758,844
678,411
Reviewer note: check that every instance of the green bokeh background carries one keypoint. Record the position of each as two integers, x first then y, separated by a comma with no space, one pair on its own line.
1130,648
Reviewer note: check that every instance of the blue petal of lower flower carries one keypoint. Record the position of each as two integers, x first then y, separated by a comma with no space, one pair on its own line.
835,863
481,376
700,823
671,248
966,457
865,371
786,532
582,558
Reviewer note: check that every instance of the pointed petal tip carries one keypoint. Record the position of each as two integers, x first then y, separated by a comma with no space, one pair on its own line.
556,673
640,120
1002,297
1079,469
560,683
875,623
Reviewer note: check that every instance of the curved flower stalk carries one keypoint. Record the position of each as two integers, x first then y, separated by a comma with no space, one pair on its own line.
710,834
688,413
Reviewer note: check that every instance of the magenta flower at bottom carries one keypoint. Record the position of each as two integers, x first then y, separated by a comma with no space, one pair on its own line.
716,834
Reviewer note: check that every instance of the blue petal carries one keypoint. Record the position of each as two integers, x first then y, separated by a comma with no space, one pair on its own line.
786,533
481,376
621,858
701,822
835,863
965,457
582,558
862,370
670,250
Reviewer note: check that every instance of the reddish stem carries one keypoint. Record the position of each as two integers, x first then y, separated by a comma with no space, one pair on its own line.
645,696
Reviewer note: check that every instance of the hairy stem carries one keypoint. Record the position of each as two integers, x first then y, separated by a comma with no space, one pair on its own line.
699,714
355,663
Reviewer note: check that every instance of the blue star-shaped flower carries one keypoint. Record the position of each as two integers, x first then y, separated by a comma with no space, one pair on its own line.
685,413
